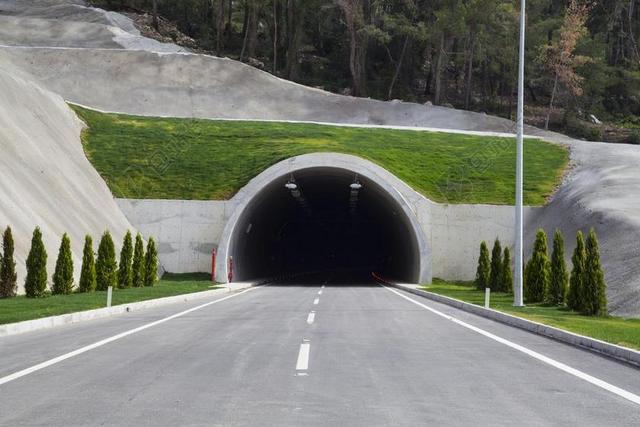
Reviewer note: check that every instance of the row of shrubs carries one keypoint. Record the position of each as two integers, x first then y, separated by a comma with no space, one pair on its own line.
136,268
546,280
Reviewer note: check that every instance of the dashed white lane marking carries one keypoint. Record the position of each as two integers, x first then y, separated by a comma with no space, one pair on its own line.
320,292
559,365
303,356
311,317
316,301
105,341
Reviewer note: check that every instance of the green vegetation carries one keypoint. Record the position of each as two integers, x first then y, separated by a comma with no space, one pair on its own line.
35,284
21,308
537,273
483,271
616,330
495,277
88,273
137,265
559,275
507,274
151,264
63,274
594,285
125,276
106,267
8,276
163,158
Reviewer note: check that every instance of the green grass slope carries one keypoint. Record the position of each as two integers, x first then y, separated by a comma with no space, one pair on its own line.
170,158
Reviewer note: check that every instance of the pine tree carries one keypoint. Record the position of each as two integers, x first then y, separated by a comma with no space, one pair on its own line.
594,285
484,268
576,280
559,275
538,271
35,284
106,267
495,277
137,273
151,264
8,275
63,274
88,273
507,274
126,254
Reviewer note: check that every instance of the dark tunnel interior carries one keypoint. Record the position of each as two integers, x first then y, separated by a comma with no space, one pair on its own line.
324,220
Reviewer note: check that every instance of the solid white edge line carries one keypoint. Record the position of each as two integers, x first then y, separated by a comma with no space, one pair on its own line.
559,365
105,341
316,301
303,356
311,317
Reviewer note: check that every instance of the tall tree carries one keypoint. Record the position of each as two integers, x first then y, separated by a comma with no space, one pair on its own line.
484,268
559,275
106,266
355,19
507,273
137,266
575,296
594,285
125,277
63,273
151,264
35,284
495,277
88,273
8,275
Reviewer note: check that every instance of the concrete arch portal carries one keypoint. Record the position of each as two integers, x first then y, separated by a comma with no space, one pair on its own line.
323,223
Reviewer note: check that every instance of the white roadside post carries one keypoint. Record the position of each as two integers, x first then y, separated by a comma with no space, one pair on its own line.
517,290
487,295
109,295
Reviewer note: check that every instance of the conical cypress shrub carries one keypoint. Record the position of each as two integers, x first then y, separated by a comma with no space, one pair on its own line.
88,273
507,273
495,277
8,275
484,267
35,284
538,270
63,274
576,280
106,267
559,275
594,285
137,267
126,255
151,264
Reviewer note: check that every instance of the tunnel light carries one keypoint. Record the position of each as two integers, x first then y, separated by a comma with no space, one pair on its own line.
291,186
356,186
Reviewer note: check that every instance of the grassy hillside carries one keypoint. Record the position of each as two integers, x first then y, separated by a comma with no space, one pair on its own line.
168,158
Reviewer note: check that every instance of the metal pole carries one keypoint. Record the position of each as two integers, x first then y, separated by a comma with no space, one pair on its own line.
517,294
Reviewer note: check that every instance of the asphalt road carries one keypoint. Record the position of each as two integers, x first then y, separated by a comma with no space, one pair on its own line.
359,356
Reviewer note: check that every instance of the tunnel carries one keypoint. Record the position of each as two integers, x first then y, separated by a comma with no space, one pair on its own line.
324,220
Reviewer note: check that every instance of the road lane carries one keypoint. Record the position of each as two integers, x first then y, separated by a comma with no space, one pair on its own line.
374,359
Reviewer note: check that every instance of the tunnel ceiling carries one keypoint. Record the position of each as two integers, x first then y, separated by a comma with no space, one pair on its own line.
324,225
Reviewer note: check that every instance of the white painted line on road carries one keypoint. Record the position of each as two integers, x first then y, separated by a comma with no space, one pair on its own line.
105,341
316,301
322,286
303,356
311,317
559,365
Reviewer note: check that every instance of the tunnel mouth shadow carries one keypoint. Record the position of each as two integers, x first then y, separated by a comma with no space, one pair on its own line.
324,219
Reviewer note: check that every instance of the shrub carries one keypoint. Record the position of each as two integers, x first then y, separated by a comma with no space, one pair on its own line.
495,276
151,264
88,273
106,268
538,270
137,267
126,255
507,274
484,268
63,274
595,302
633,138
576,280
8,275
559,276
35,284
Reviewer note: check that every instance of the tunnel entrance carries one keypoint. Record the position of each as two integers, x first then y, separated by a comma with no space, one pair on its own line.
324,219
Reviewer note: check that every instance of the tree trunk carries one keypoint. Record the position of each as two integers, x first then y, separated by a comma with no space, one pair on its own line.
275,37
219,27
253,29
155,14
553,96
245,29
438,73
467,88
398,66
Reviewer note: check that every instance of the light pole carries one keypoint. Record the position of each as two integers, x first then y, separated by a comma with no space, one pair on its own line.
517,294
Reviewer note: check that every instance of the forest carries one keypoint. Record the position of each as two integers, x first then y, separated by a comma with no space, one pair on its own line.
582,56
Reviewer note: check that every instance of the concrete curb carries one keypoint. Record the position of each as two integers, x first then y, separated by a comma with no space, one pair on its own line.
81,316
623,354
